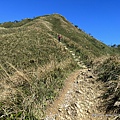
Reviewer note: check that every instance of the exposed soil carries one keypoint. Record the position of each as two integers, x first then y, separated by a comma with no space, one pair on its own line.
79,99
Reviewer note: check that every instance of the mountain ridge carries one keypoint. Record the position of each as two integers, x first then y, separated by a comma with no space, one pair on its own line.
34,64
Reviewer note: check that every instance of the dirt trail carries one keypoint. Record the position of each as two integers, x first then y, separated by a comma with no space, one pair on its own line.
79,98
52,109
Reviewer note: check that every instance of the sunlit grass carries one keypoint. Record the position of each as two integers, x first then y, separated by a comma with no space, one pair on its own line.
34,65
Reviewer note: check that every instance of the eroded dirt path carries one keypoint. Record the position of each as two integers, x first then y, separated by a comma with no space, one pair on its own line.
79,99
53,108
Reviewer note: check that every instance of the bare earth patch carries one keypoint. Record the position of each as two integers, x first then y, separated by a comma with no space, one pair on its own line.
79,99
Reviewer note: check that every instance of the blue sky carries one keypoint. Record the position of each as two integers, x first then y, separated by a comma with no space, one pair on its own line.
100,18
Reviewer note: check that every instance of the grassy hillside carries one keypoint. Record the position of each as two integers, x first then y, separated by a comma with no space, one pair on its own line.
34,65
109,73
76,38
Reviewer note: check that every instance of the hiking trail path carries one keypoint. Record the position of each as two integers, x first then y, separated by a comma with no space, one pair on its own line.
78,100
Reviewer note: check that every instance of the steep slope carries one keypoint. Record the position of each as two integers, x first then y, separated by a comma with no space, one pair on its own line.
86,98
74,38
34,65
109,73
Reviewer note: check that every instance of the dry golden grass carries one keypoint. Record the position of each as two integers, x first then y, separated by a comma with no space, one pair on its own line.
34,64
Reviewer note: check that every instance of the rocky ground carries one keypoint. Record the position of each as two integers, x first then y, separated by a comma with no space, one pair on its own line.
79,100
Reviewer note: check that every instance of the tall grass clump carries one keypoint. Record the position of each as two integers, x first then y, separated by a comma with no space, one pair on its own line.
109,74
25,95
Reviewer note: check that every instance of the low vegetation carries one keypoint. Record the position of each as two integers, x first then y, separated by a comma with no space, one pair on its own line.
34,65
109,74
33,68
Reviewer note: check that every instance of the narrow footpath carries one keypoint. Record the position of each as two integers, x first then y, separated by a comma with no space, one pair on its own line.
79,98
